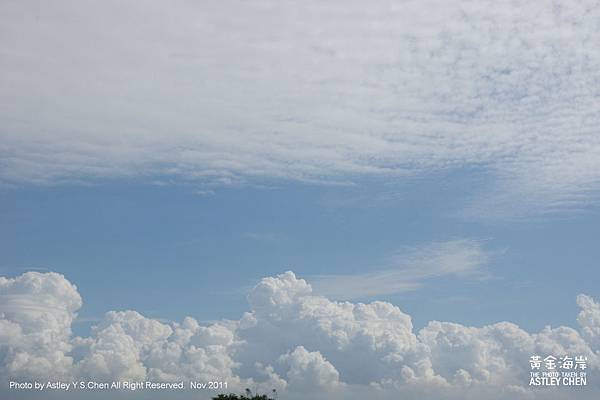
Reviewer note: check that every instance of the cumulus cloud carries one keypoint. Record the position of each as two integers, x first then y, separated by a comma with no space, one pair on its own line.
36,313
245,91
291,340
309,371
589,319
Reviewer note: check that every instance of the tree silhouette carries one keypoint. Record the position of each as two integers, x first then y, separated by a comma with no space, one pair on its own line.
248,395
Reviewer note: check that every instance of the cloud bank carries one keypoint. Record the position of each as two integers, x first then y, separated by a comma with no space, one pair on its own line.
314,91
291,340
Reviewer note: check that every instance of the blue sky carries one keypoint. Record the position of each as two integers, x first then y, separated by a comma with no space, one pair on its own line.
169,252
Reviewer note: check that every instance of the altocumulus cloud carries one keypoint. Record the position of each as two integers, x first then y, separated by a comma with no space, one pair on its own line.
302,344
235,91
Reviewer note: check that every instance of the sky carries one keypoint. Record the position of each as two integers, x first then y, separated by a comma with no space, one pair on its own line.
192,178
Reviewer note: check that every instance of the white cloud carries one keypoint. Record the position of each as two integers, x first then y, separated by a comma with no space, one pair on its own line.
239,91
408,269
36,313
309,371
291,340
589,319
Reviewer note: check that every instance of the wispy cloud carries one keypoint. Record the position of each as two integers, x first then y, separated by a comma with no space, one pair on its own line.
205,192
408,269
268,237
